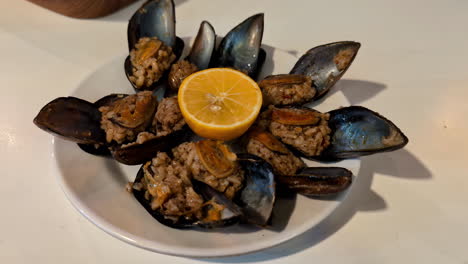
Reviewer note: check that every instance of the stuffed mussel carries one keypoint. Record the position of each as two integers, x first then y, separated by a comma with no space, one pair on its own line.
133,127
343,133
313,75
152,44
205,184
291,172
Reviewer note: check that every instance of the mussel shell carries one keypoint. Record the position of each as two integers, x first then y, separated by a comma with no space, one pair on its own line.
162,82
358,131
232,212
155,18
97,150
258,196
140,153
240,48
73,119
102,149
203,46
320,63
109,99
317,181
206,191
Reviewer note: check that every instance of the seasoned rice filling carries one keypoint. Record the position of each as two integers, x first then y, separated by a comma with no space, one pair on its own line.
150,59
167,184
186,154
168,117
124,119
283,163
179,71
310,139
287,89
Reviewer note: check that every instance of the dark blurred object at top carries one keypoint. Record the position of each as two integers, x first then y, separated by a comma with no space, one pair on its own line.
83,8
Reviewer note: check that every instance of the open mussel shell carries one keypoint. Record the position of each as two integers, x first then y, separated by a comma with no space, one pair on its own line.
241,47
358,131
230,214
101,149
203,46
317,181
258,196
155,18
140,153
73,119
326,64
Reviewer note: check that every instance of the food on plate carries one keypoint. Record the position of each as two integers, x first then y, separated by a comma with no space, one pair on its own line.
287,89
168,117
213,163
325,64
203,46
153,45
179,71
305,129
178,189
124,118
150,59
189,177
241,47
358,131
317,181
219,103
199,57
263,144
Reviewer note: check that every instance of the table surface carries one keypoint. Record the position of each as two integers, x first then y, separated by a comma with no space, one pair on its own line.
408,206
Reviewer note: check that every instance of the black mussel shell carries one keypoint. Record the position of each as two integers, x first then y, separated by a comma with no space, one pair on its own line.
257,198
317,181
97,150
141,153
155,18
326,64
109,99
232,212
358,131
73,119
232,216
203,46
240,48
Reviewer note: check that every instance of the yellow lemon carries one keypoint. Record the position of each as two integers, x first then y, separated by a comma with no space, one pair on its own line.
219,103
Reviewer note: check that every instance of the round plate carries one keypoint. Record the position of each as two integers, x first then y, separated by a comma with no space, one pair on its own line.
96,187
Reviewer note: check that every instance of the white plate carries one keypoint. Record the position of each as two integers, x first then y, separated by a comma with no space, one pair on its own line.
96,187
